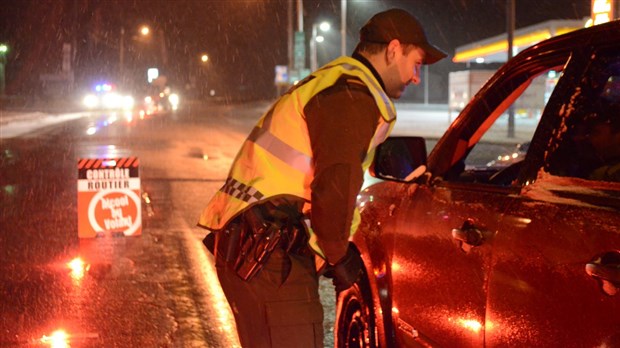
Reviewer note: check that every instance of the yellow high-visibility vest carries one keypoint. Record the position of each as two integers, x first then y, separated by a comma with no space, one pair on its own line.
276,158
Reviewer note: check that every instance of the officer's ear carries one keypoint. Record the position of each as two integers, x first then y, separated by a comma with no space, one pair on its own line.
393,49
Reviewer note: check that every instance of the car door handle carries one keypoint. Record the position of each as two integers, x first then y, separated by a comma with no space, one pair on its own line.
468,236
606,270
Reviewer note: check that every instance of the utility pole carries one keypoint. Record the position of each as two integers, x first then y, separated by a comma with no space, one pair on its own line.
300,15
73,53
162,47
289,29
426,83
121,57
343,27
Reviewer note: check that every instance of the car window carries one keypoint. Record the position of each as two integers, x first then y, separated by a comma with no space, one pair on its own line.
590,146
499,147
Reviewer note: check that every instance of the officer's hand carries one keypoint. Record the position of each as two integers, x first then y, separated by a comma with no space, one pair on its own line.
347,271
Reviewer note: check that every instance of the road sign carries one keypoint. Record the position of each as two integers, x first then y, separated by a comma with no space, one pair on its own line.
281,75
109,197
299,51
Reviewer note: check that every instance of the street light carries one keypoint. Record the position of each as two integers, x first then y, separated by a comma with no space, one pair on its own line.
142,34
157,36
323,26
203,76
121,57
144,31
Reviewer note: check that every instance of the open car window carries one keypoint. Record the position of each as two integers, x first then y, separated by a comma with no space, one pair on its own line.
496,157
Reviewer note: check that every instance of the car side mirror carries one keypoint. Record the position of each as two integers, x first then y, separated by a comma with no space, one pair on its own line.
400,159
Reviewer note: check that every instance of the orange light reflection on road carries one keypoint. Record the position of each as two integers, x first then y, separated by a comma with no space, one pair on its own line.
58,339
472,325
218,300
78,268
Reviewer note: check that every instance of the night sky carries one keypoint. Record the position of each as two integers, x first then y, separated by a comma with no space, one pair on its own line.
244,39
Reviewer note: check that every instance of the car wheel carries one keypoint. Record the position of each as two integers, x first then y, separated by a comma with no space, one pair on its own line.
355,322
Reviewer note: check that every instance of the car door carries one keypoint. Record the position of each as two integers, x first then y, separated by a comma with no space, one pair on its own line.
445,229
443,243
556,267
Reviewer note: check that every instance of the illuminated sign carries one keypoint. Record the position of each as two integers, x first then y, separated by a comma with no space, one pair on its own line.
281,75
602,11
109,197
152,74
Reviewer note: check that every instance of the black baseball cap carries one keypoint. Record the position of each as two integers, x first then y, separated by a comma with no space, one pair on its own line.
401,25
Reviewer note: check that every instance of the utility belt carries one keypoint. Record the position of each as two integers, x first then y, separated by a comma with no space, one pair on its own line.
247,241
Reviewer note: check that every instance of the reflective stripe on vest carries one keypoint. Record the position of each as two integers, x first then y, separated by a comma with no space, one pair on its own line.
241,191
265,139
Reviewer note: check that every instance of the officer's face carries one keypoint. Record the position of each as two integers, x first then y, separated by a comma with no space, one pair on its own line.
404,69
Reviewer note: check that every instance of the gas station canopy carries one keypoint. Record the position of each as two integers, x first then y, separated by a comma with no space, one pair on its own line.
494,49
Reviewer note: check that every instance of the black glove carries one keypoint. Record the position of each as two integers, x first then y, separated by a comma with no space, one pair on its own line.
347,271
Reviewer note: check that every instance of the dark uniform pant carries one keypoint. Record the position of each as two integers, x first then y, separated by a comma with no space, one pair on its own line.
272,313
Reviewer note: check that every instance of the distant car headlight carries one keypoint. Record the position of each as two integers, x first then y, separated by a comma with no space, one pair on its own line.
128,102
90,101
174,100
112,101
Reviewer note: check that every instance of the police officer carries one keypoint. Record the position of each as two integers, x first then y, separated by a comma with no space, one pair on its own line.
290,195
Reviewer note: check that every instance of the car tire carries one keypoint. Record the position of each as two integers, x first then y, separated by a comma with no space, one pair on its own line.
355,318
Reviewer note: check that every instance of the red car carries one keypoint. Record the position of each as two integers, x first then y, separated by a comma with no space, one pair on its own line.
459,253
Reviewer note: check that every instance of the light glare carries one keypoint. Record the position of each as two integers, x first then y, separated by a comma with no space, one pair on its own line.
90,101
58,339
78,268
174,100
472,325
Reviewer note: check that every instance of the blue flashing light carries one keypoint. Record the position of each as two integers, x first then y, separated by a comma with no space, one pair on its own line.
103,87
